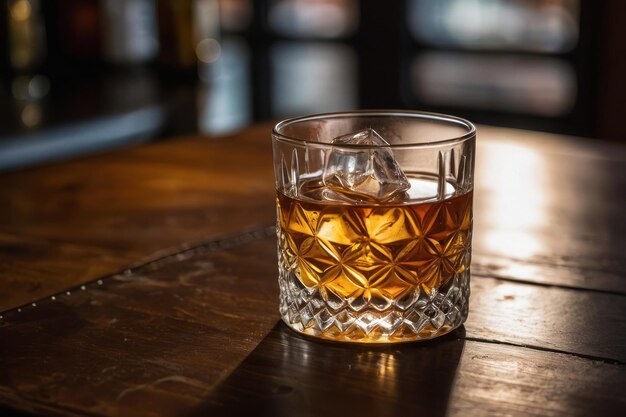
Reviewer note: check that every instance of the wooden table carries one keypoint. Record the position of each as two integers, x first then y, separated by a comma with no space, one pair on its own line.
142,282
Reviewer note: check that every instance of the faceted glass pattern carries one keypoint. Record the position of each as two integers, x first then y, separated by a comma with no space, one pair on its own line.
374,224
374,273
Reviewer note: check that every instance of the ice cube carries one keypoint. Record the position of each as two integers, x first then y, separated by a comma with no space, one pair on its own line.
363,174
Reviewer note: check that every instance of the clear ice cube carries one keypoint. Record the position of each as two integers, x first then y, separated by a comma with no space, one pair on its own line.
359,175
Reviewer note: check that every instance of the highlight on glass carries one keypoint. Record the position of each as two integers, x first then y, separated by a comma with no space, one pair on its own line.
374,224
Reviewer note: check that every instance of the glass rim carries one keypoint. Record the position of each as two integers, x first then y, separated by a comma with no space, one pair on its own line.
410,114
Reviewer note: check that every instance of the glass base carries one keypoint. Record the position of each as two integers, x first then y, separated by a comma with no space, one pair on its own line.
307,311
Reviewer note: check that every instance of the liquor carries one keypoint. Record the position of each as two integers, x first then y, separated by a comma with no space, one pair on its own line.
380,272
374,224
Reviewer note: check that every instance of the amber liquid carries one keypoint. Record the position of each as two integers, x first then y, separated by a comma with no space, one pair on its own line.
379,251
378,257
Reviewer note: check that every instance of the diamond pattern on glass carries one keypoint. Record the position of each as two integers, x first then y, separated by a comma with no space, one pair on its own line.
374,273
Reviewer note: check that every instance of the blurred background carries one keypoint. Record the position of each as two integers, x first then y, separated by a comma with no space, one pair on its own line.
79,76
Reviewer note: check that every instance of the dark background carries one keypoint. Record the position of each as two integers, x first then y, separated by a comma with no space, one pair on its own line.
80,76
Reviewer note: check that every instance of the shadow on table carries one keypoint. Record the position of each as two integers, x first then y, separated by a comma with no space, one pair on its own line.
290,375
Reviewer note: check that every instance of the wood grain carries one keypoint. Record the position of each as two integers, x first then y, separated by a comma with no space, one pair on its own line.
288,375
34,267
579,275
171,335
150,342
552,208
547,209
99,214
582,322
159,340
